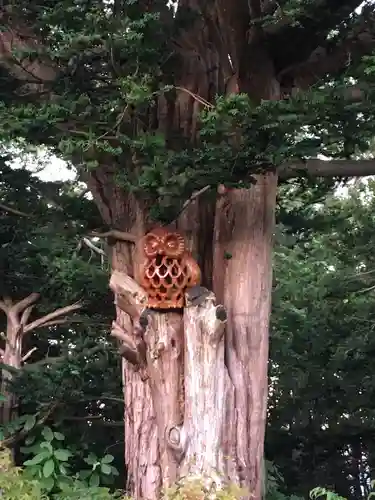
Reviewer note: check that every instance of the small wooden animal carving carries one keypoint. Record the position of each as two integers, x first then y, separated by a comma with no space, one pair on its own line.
167,270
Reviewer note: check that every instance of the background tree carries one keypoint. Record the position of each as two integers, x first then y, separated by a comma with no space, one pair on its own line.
71,372
321,425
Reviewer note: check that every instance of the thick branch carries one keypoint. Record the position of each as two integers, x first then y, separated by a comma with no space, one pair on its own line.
26,314
332,168
4,307
49,318
24,303
16,309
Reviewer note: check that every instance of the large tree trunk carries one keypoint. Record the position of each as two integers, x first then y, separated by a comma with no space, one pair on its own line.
163,429
242,281
165,426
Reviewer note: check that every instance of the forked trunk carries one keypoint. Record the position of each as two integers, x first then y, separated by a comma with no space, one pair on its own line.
18,327
194,403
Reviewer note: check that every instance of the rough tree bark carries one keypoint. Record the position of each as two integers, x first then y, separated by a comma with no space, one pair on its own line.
242,281
17,327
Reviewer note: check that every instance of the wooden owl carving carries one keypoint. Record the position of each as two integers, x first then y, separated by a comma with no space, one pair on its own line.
167,269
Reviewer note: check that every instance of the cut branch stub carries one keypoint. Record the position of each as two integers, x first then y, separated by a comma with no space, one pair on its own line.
131,299
129,296
206,381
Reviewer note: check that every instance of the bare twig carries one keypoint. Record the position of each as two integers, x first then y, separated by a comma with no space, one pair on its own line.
93,247
28,354
49,318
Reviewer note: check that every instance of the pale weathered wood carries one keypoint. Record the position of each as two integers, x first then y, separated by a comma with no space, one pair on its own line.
199,439
129,296
165,345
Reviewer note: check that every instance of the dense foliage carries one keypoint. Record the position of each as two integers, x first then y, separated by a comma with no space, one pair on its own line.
112,67
73,376
321,428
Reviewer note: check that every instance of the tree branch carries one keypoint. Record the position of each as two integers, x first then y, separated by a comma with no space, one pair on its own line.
14,211
93,247
28,354
115,234
26,315
24,303
49,318
4,307
16,37
331,168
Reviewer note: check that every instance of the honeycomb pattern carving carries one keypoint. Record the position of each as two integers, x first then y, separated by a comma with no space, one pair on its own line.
168,269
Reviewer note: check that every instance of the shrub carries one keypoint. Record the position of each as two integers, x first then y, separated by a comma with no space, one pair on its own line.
16,485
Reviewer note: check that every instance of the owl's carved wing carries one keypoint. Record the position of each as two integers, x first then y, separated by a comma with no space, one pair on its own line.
193,271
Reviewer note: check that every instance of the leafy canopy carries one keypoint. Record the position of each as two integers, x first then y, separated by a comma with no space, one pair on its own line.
114,85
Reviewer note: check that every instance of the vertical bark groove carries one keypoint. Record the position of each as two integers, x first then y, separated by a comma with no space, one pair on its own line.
243,277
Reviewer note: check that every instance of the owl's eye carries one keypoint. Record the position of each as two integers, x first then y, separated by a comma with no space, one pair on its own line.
171,244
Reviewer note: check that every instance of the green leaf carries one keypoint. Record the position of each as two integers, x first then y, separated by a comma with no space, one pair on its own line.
47,434
48,483
30,422
63,469
43,455
106,469
107,459
62,455
46,444
59,436
84,474
114,471
94,480
48,468
91,459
